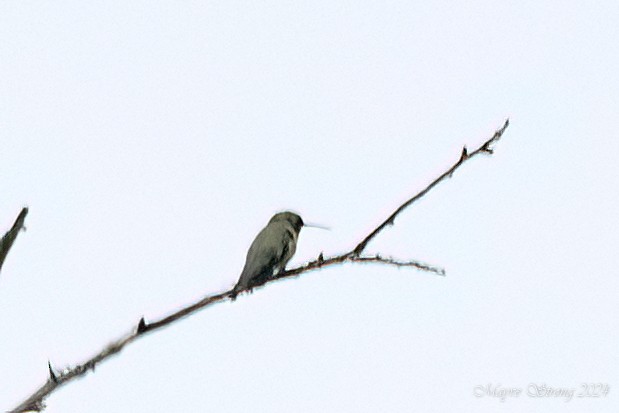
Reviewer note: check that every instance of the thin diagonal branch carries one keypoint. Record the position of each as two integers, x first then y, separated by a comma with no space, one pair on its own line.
9,238
486,147
57,379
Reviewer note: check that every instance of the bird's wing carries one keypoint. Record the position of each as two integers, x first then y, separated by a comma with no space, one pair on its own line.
264,254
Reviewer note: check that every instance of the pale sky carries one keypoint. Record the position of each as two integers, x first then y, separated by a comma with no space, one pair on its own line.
152,140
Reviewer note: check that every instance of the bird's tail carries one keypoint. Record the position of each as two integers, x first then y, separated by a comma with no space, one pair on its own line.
236,290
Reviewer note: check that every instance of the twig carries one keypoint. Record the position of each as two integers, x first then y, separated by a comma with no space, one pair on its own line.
35,401
486,147
391,261
9,238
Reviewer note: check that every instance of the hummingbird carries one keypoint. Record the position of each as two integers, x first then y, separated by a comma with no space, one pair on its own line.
271,250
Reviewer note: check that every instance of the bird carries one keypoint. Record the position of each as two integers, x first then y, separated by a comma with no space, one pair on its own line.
270,251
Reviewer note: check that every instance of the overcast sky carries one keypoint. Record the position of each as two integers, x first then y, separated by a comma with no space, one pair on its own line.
152,140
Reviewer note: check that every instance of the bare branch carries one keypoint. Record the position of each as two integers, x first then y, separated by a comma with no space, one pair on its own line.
321,262
484,148
391,261
9,238
55,380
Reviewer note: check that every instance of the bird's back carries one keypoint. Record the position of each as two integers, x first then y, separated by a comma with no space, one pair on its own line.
266,252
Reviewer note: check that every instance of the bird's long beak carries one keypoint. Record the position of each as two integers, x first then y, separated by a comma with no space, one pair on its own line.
317,226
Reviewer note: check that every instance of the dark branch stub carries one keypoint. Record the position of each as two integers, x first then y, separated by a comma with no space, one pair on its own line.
141,326
35,401
52,375
9,238
465,154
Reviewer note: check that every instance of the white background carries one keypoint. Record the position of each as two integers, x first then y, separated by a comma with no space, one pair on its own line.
152,140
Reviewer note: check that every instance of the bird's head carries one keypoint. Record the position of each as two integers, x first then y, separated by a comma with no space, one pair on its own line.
290,217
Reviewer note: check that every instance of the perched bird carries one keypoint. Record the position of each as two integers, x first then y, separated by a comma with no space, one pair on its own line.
273,247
